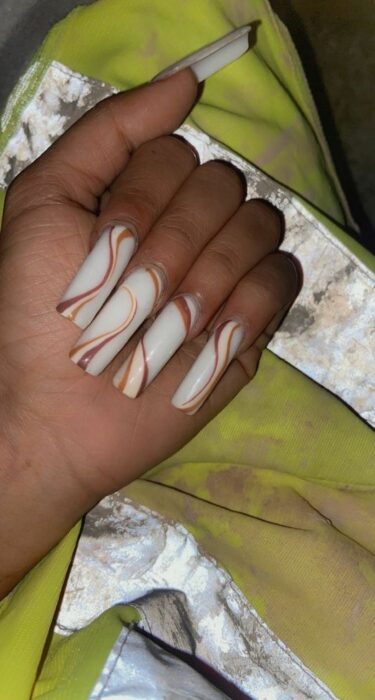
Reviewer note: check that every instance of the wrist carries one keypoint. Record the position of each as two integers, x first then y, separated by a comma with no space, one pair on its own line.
39,498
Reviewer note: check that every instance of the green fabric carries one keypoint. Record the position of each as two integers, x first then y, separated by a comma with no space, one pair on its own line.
25,620
280,487
238,102
73,662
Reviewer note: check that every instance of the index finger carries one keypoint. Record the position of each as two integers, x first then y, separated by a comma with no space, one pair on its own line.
92,153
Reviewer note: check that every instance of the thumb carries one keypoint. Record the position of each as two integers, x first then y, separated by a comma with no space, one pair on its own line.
94,151
85,161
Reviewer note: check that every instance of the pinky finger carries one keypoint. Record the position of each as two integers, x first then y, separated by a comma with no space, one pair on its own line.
261,300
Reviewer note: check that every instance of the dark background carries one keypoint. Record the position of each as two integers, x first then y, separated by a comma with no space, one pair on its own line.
336,41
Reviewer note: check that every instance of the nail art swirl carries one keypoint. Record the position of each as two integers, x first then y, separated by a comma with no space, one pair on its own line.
118,320
98,275
83,353
209,367
158,345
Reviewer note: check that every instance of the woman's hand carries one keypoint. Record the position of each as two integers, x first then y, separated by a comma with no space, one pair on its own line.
70,438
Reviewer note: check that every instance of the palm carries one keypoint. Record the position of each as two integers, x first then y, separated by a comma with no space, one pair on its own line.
106,435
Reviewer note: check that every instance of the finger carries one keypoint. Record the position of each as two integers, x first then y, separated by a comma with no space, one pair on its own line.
209,197
263,293
92,153
249,235
244,368
142,191
137,199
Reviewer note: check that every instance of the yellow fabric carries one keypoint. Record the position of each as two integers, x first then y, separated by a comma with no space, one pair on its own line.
74,661
260,106
25,619
280,487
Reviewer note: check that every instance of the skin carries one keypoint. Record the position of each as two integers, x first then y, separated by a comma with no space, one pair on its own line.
68,439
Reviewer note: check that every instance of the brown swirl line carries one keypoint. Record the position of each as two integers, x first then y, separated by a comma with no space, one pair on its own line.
184,311
86,297
104,338
202,394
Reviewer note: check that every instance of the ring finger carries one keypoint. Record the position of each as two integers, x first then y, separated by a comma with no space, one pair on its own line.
260,299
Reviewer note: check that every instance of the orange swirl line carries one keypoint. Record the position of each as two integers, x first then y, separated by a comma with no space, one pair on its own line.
105,338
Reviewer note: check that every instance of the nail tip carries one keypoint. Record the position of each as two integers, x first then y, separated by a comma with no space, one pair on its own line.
124,392
193,60
179,407
64,313
129,395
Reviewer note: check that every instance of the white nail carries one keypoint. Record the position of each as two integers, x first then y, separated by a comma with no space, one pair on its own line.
209,367
157,346
98,275
121,316
213,57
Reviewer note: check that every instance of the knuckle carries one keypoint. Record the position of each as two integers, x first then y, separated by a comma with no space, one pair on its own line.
180,226
110,109
275,278
265,291
137,204
169,148
226,173
268,220
180,147
223,260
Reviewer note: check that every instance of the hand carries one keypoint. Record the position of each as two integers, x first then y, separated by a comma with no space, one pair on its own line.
70,438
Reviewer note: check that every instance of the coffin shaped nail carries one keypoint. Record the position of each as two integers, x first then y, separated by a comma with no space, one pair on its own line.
209,367
121,316
213,57
98,275
157,346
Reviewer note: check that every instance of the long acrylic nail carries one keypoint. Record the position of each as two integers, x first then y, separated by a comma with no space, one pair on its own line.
98,275
213,57
157,346
209,367
121,316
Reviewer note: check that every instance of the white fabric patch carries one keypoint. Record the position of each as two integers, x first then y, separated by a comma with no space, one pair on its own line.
61,98
136,670
129,554
329,333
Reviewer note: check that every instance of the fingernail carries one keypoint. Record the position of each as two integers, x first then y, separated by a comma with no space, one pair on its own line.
125,311
156,348
213,57
98,275
209,367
